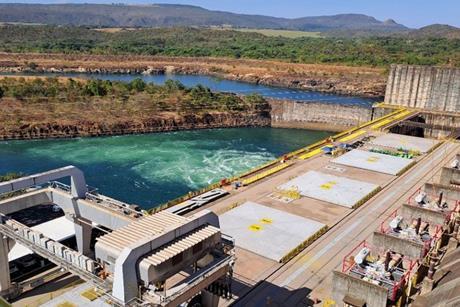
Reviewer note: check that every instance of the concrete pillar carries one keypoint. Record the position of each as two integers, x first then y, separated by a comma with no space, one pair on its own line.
427,286
452,244
83,231
5,281
209,299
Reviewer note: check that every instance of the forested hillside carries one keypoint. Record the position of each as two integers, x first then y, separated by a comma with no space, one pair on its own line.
198,42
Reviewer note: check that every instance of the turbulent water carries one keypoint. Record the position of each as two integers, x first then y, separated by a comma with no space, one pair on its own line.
153,168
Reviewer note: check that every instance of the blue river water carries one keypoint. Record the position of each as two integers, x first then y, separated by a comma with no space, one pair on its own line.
151,169
223,85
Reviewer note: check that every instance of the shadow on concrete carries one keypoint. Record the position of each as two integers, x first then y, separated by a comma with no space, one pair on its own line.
57,284
268,294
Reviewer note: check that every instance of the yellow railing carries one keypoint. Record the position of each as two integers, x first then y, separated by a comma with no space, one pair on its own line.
294,252
302,153
266,173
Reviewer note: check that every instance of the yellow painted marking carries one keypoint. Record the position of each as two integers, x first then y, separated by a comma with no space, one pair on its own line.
310,154
329,303
381,124
328,185
266,221
255,227
352,136
373,159
403,114
265,173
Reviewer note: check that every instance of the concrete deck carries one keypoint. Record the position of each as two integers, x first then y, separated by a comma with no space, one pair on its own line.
309,275
337,190
267,232
373,161
406,142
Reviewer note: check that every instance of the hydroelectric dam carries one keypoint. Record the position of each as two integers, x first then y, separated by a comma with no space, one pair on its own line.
366,217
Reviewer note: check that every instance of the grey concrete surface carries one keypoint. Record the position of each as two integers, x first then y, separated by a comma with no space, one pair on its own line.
265,231
373,161
333,189
406,142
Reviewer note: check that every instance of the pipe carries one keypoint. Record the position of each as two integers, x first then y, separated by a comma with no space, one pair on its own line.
387,260
431,269
417,226
440,199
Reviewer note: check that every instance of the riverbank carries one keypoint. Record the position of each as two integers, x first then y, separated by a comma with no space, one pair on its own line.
37,108
356,81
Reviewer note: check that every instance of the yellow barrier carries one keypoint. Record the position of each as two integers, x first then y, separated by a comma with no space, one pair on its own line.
363,200
310,150
310,154
391,119
381,124
294,252
265,173
352,136
403,114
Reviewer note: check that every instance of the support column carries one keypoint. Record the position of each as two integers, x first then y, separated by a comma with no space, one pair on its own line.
5,281
83,231
209,299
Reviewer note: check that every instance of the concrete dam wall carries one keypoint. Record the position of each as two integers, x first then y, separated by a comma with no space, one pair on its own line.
432,88
317,115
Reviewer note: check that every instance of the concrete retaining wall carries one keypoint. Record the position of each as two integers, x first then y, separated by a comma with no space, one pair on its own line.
317,115
408,248
449,191
343,284
450,176
424,87
427,215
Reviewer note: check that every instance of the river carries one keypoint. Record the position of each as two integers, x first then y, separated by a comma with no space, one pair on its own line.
223,85
151,169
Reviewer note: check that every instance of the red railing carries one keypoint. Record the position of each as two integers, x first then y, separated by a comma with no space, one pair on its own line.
403,281
408,265
451,213
385,229
409,200
348,262
448,213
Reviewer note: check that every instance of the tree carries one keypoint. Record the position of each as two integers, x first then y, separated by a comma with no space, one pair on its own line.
138,85
2,92
95,88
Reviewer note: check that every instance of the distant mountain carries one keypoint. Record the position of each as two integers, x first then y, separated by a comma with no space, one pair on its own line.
437,30
343,22
168,15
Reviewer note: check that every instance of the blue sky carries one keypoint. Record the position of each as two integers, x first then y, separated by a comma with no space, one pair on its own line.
412,13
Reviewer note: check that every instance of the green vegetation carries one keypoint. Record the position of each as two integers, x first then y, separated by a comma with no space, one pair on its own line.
10,176
196,42
7,177
282,33
173,96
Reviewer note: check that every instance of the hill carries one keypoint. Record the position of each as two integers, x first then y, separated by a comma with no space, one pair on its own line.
168,15
200,42
436,31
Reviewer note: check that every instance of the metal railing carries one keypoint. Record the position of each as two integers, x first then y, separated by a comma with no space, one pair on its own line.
100,199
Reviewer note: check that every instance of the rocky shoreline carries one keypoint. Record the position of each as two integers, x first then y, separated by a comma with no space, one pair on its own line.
82,128
365,82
